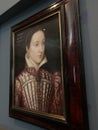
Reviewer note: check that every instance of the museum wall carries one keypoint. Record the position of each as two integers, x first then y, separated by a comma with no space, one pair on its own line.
89,33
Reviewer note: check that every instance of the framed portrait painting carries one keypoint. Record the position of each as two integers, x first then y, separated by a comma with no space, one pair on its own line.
47,79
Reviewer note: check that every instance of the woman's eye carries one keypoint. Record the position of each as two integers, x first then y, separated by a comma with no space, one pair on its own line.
36,44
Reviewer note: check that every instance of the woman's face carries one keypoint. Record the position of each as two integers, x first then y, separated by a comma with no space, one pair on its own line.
37,47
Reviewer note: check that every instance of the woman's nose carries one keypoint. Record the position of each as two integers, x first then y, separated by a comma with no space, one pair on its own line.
41,48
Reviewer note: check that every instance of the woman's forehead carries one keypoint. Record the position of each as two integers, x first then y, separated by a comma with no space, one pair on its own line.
38,35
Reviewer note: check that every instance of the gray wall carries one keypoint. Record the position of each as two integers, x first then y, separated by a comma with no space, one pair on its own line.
89,23
89,28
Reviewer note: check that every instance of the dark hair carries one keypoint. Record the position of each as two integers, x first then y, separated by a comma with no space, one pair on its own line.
31,32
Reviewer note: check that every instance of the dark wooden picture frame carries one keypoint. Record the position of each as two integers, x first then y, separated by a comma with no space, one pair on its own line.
63,49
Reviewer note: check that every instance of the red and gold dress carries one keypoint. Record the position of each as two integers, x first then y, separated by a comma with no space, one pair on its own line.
39,90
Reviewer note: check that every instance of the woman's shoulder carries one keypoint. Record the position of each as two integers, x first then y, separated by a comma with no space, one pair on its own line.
50,68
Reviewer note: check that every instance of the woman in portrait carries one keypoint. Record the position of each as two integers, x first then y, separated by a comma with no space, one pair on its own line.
37,89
